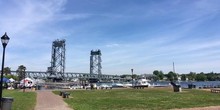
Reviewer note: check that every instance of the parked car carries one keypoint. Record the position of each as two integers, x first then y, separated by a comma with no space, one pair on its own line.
105,86
75,86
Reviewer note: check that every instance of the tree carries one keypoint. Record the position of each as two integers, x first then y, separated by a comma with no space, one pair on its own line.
172,76
191,76
212,76
183,77
201,77
21,72
159,74
123,76
11,76
7,70
156,72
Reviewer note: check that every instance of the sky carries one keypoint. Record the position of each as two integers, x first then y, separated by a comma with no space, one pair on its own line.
144,35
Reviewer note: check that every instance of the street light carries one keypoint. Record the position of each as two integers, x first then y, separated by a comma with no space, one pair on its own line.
132,70
24,80
5,40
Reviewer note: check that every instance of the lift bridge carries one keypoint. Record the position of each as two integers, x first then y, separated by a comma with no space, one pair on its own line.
57,68
68,75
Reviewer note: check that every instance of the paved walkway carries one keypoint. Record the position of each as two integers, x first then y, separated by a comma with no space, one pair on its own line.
46,100
201,108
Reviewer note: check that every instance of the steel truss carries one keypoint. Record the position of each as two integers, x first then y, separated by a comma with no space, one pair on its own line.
67,75
95,63
57,67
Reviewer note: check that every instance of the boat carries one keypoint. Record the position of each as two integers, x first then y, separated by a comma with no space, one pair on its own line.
141,83
116,85
127,84
105,86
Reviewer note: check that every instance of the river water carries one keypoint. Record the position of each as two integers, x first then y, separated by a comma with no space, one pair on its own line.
185,84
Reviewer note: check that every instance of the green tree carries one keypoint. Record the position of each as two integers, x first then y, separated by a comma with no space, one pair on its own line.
183,77
159,75
11,76
123,76
7,70
171,76
156,73
21,72
201,77
212,76
191,76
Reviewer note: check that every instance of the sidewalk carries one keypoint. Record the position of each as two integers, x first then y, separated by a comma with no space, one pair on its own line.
46,100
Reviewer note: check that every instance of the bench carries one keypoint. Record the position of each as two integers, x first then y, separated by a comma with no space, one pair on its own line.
215,90
64,94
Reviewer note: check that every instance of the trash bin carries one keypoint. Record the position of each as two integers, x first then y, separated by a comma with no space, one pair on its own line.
38,87
66,95
177,88
7,103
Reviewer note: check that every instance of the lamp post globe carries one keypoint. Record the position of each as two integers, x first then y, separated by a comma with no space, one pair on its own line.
5,39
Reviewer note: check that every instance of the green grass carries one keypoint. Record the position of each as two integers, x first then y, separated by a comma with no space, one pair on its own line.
145,99
22,101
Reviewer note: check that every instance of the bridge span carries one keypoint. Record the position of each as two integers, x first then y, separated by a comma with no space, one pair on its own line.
67,75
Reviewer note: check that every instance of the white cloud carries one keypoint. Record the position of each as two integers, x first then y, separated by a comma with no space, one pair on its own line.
27,14
112,45
26,24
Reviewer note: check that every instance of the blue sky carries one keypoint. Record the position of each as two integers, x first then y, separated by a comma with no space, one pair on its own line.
145,35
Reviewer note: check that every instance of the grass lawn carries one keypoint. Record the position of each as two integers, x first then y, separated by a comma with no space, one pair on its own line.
22,101
137,99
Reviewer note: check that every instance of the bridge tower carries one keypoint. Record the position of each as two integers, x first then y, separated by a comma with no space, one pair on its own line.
57,67
95,63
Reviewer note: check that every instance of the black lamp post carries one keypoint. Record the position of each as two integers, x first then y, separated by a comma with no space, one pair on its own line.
24,87
132,70
5,40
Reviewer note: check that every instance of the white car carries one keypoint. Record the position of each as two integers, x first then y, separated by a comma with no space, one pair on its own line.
75,87
105,86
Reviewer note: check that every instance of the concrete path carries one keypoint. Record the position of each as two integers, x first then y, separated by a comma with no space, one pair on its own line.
201,108
46,100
